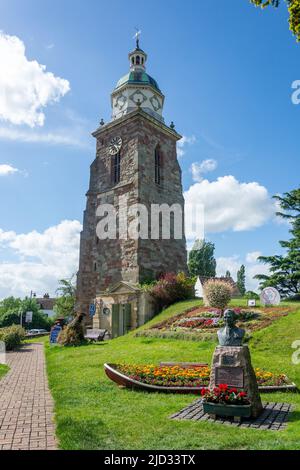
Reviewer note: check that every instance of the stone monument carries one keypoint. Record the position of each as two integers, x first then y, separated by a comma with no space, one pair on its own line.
270,296
231,363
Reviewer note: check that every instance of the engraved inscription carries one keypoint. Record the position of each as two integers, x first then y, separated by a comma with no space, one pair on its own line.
228,360
232,376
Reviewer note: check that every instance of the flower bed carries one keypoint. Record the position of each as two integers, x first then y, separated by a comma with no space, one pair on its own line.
167,376
196,376
198,323
223,394
266,378
226,401
192,324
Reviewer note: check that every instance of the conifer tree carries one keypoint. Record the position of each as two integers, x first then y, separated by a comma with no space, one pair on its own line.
201,259
285,269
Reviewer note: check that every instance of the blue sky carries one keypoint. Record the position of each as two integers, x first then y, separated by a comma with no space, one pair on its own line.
226,69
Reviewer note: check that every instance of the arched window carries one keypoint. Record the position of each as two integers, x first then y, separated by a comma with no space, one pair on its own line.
116,168
157,165
137,60
132,60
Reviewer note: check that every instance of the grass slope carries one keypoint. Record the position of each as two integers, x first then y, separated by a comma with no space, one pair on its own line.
93,413
3,370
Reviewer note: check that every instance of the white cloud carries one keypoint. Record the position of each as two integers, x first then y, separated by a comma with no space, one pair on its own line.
198,169
69,137
230,205
181,144
25,85
42,259
229,263
7,170
233,264
252,256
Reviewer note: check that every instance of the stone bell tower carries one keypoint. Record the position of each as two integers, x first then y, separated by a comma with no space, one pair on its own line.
136,163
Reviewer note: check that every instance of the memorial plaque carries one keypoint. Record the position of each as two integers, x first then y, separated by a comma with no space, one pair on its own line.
228,360
232,376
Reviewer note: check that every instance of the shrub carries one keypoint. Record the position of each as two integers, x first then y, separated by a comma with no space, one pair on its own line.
251,295
12,336
217,293
171,288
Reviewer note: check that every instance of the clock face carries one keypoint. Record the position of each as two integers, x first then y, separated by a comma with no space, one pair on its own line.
115,145
155,103
120,101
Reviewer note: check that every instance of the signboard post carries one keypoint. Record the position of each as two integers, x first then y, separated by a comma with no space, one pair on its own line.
28,318
92,310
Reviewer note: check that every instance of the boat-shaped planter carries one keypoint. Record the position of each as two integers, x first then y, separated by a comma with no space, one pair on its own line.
125,381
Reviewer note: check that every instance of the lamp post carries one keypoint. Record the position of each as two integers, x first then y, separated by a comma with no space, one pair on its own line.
21,316
32,294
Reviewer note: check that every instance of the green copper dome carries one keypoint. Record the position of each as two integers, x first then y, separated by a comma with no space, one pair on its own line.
137,77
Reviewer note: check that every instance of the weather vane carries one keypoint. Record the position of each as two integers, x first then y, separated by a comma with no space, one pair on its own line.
137,37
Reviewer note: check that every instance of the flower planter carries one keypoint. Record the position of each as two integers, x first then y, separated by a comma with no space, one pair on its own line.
219,409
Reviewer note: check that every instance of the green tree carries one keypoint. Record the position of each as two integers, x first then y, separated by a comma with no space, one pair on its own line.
12,308
201,259
227,274
285,269
241,280
65,303
251,295
10,311
294,11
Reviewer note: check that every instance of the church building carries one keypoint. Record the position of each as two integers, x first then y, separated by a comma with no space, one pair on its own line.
136,164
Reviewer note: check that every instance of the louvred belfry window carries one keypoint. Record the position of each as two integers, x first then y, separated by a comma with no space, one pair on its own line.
117,168
157,166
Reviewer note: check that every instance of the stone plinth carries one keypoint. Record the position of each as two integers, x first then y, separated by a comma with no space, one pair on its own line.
231,365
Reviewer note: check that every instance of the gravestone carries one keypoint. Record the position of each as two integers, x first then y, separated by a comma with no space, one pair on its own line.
231,363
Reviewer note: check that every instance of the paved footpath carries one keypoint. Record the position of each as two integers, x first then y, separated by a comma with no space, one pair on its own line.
26,405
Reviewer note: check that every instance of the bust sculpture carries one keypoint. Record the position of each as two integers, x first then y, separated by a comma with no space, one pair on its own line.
230,335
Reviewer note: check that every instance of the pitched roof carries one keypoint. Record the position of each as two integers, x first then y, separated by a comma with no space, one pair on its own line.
46,303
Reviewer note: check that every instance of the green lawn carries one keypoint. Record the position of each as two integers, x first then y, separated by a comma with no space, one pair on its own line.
93,413
3,370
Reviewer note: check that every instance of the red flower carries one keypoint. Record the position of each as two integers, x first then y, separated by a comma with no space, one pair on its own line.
204,391
242,394
223,387
233,390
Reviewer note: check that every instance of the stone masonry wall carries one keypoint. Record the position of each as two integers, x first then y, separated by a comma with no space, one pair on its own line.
105,262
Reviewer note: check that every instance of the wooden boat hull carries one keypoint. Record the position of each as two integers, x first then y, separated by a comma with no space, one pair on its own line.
125,381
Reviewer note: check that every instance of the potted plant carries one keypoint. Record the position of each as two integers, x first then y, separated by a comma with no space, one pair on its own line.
226,401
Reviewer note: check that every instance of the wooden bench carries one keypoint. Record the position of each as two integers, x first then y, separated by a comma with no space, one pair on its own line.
95,334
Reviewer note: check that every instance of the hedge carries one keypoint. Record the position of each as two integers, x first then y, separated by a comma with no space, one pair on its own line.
12,336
